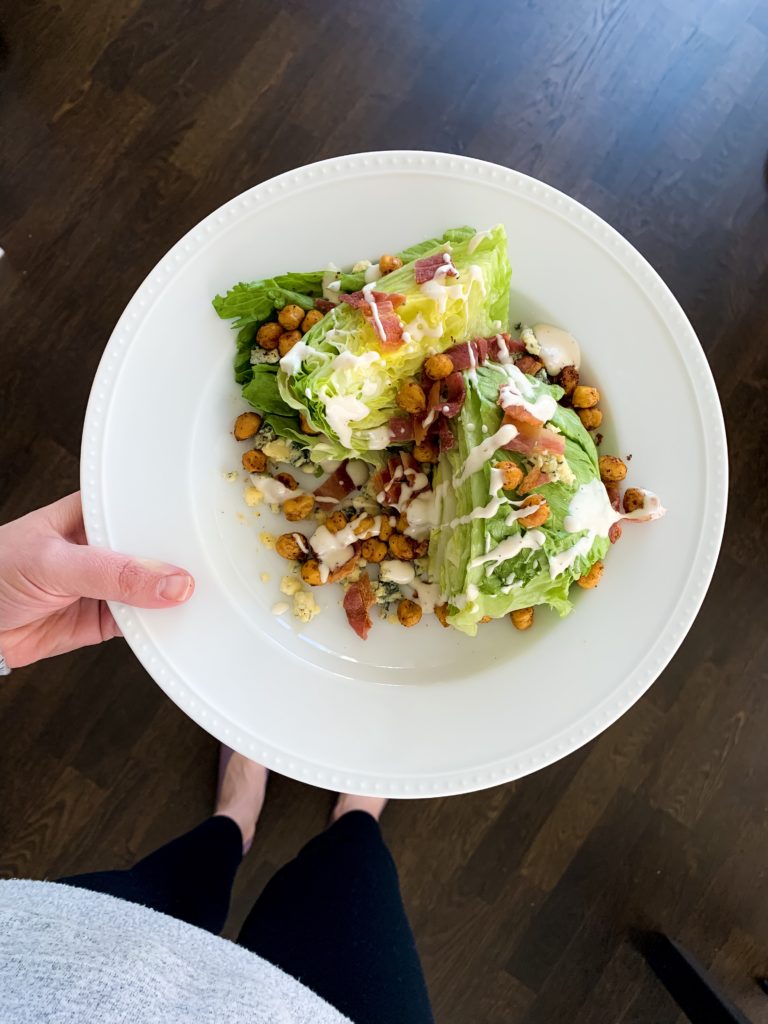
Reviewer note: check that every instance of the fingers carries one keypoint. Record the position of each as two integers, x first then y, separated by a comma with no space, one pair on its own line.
66,517
78,570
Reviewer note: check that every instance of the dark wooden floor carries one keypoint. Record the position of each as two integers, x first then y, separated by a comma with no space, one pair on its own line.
122,122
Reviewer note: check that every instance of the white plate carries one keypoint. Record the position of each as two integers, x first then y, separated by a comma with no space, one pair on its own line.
409,712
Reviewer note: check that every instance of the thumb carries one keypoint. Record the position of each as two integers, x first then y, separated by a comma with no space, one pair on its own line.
83,571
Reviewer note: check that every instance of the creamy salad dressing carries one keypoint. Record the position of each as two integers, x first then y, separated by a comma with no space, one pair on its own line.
347,360
271,490
531,540
519,391
557,348
368,296
503,354
424,512
340,411
560,563
428,595
396,571
293,358
480,454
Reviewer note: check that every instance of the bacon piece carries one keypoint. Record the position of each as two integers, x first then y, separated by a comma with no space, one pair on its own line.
533,478
544,442
452,395
401,428
386,323
357,600
445,435
481,350
614,532
425,269
520,416
529,365
338,485
324,305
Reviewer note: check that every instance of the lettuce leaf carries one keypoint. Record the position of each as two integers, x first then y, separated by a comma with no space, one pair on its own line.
475,305
525,577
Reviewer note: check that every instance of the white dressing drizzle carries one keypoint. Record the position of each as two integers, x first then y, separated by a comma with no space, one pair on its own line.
557,348
347,360
428,595
518,392
424,512
272,491
396,572
483,451
294,357
340,411
531,540
368,296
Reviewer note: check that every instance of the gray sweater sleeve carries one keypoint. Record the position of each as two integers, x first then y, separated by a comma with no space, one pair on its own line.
69,956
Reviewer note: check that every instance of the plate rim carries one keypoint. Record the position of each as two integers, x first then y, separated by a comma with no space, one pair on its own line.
656,291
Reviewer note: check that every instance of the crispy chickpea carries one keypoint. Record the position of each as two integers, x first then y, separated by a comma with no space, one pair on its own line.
389,263
411,397
591,578
246,425
590,418
293,546
290,316
612,469
585,398
336,521
408,612
364,526
401,547
438,367
568,379
287,481
522,618
425,452
511,475
254,461
306,426
402,522
385,530
310,572
268,336
295,509
441,611
287,341
634,499
374,550
420,548
540,513
314,316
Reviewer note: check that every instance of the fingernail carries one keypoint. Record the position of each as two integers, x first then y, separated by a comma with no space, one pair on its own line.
175,588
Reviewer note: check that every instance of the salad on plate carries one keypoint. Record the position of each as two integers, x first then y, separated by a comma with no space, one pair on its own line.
458,454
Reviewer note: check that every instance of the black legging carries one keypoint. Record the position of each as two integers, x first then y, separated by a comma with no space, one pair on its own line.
333,918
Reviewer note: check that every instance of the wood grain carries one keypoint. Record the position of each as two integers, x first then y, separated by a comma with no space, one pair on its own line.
122,124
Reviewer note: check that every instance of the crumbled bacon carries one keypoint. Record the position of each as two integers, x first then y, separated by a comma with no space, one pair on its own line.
338,485
357,600
529,365
324,305
544,442
386,323
425,269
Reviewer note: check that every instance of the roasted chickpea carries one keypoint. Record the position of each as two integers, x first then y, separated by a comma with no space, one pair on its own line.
305,426
293,546
287,481
402,522
268,336
246,425
401,547
310,572
522,618
511,475
385,529
540,513
584,398
634,499
314,316
373,550
254,461
411,397
287,341
425,452
389,263
441,611
408,612
568,379
612,469
438,367
298,508
336,521
290,316
590,418
363,527
533,478
591,578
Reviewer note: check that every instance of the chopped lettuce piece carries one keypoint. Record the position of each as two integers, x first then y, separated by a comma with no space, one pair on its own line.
523,580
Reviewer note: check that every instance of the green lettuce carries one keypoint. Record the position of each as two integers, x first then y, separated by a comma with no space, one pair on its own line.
452,548
475,305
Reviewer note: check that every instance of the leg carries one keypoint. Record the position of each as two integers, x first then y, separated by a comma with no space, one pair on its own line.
333,918
191,877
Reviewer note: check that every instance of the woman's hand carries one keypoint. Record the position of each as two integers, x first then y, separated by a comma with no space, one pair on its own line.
53,587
